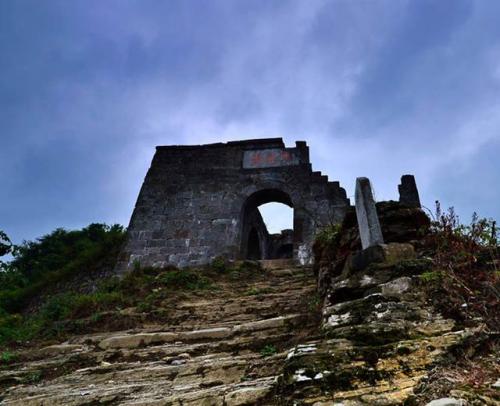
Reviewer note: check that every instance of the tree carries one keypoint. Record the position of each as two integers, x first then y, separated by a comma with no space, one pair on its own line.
5,244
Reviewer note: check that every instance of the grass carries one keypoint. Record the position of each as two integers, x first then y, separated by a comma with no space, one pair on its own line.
463,280
431,276
268,350
33,377
314,303
185,279
6,357
149,290
41,295
38,266
257,291
328,234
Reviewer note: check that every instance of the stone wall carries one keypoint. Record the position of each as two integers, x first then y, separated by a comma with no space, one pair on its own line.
195,200
279,245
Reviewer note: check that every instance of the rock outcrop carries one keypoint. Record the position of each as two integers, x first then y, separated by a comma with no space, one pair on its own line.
225,347
359,330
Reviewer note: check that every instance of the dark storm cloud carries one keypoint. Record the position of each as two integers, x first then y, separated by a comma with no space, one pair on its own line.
88,88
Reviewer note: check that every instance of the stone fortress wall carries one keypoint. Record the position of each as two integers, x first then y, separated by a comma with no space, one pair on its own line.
200,202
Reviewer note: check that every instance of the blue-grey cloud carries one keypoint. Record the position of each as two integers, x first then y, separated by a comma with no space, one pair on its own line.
88,88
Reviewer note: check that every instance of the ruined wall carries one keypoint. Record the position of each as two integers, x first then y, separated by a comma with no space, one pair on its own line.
195,199
279,243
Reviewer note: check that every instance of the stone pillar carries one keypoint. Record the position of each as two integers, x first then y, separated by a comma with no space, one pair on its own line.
366,212
408,192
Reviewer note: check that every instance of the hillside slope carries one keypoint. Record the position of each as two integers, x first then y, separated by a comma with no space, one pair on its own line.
224,346
403,323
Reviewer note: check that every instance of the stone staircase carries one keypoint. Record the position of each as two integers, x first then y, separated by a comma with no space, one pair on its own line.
226,347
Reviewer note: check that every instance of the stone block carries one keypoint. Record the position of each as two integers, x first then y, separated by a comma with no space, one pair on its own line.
137,340
447,402
408,192
388,254
370,231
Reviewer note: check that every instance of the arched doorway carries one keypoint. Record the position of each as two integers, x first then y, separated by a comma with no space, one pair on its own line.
256,240
254,251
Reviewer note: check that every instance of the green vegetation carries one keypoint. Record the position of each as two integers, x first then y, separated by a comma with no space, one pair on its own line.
328,234
33,377
463,281
5,244
268,350
233,268
54,258
35,302
258,291
219,264
6,357
414,266
144,289
185,279
431,276
314,303
39,266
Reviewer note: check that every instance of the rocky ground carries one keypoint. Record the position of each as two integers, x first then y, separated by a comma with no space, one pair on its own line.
381,338
363,328
222,347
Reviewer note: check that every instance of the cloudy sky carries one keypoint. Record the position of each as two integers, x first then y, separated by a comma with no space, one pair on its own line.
377,88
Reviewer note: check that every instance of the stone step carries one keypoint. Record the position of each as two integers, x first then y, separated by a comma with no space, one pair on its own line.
217,349
127,340
277,263
148,392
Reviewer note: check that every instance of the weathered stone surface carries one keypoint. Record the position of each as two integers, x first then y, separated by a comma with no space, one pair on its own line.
387,253
408,192
447,402
366,213
210,355
137,340
199,202
58,349
220,332
400,224
376,350
246,396
278,264
382,336
396,287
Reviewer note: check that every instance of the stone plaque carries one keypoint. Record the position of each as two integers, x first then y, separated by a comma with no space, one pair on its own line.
269,158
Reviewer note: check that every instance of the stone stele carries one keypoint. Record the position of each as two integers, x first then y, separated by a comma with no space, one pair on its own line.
366,213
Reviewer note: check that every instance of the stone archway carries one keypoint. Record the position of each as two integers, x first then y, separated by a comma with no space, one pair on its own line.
195,202
250,219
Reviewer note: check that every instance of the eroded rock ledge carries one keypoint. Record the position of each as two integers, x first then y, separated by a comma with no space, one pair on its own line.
381,334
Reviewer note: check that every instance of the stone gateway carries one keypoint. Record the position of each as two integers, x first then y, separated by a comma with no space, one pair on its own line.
200,202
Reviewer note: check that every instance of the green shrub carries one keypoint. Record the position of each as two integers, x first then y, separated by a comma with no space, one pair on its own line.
268,350
55,257
33,377
7,357
327,235
219,264
151,301
463,280
413,266
431,276
184,279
